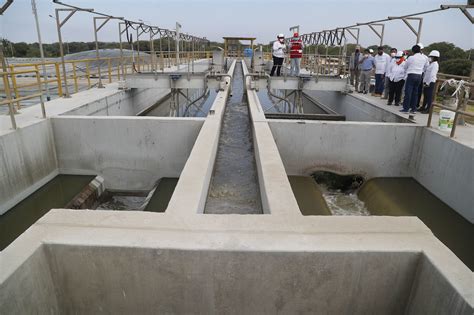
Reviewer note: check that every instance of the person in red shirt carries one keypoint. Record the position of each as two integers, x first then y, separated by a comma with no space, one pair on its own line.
296,53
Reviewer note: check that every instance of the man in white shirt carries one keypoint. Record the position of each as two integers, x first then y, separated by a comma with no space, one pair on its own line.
386,87
415,66
278,52
381,61
420,88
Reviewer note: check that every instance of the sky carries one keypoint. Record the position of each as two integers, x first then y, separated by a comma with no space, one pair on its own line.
256,18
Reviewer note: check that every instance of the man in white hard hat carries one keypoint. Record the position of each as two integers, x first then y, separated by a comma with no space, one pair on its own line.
429,81
278,52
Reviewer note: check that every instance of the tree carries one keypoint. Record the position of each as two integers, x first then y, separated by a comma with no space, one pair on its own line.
456,67
446,50
20,49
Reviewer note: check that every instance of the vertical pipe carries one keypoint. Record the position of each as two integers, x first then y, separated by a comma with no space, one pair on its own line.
8,93
35,13
138,51
121,51
97,53
74,75
61,51
15,87
38,81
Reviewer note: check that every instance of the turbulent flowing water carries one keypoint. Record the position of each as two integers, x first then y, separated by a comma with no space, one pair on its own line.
343,203
234,186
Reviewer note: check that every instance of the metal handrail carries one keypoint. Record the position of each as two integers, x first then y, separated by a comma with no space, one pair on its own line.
111,65
9,101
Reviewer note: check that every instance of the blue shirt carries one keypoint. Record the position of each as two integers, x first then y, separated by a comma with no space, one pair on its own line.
368,63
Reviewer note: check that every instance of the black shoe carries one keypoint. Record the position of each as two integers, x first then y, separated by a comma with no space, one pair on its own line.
397,104
389,103
365,92
359,91
413,111
403,111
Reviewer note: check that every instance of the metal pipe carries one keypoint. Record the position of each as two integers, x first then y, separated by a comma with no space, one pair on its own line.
40,43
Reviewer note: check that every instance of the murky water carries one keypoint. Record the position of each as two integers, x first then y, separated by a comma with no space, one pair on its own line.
162,195
54,194
407,197
234,186
388,197
308,196
198,109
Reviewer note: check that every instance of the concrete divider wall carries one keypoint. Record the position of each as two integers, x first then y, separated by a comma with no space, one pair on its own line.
445,167
370,149
191,191
131,153
115,262
121,103
27,161
275,190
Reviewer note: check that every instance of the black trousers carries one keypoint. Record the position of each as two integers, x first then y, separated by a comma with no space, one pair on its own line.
428,96
395,91
277,62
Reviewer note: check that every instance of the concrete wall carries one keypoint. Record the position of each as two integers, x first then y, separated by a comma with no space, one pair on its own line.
131,153
30,289
370,149
235,282
275,190
445,167
129,262
355,109
121,103
27,161
191,191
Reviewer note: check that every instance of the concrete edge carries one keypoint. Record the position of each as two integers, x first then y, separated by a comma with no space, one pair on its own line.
191,191
275,189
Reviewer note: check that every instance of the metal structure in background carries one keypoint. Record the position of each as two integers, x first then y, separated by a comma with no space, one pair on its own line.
4,7
331,37
40,43
96,30
128,24
59,25
379,32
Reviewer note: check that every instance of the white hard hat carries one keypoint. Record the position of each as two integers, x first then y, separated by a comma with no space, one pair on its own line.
371,51
280,36
399,53
434,53
421,45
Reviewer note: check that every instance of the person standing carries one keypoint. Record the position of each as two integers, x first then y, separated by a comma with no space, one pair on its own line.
366,65
278,52
429,81
296,53
381,62
354,67
396,79
386,87
415,66
420,88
